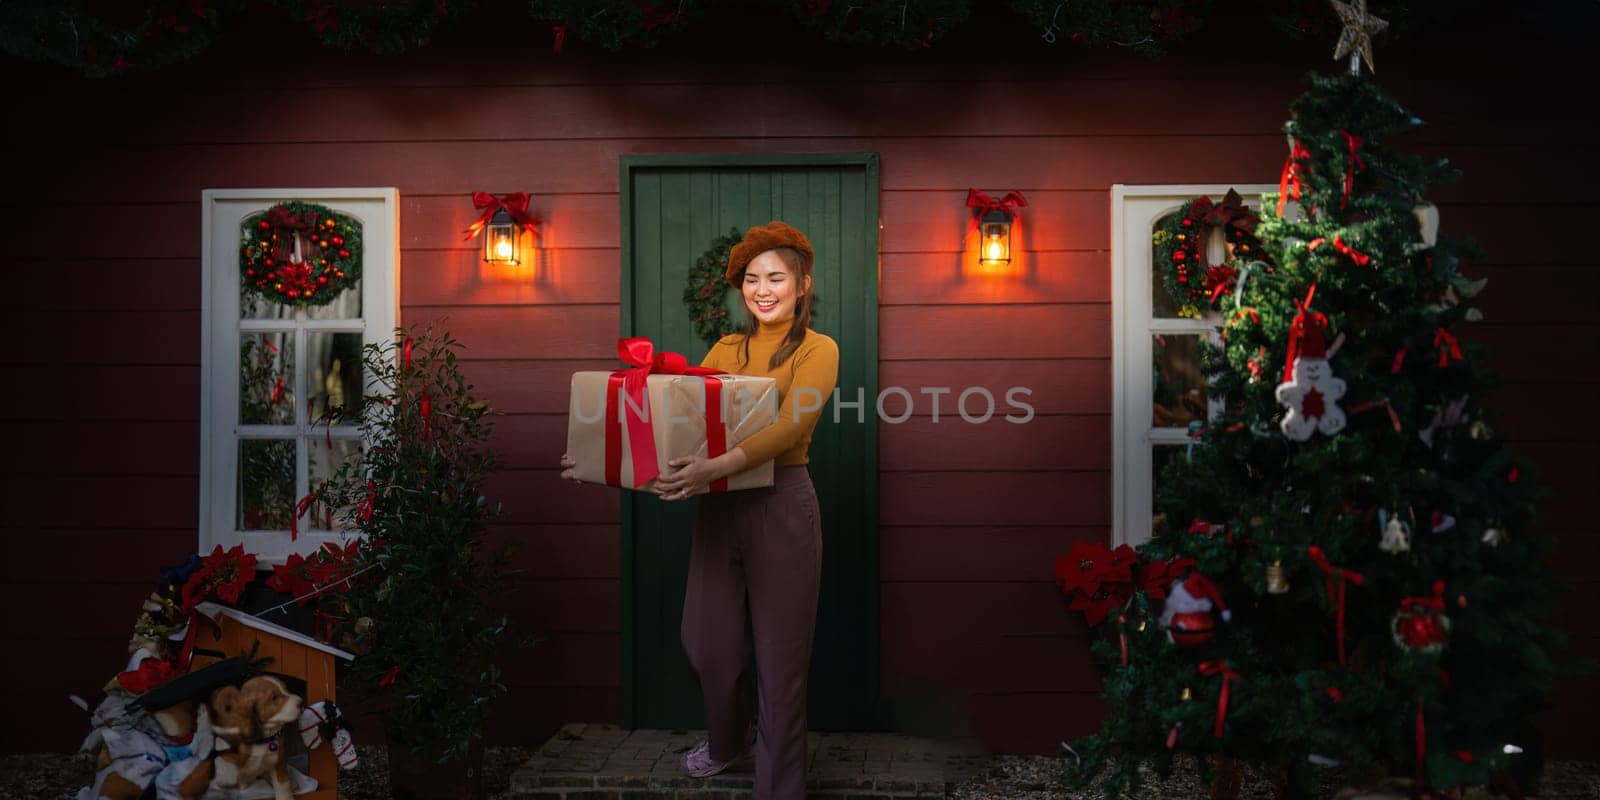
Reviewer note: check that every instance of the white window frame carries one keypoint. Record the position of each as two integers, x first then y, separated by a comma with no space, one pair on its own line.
1134,211
221,213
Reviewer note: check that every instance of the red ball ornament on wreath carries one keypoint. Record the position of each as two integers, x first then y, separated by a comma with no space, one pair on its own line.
1187,614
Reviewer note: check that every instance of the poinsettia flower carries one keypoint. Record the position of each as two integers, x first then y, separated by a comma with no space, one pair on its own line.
1083,567
1156,576
222,575
290,577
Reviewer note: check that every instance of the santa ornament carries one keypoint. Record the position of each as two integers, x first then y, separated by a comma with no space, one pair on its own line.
1186,615
1309,390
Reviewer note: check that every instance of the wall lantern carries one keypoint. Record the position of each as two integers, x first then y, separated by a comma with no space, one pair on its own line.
993,219
500,239
501,225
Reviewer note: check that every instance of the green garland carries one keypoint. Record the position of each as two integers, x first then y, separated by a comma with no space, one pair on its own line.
614,24
88,39
330,257
1180,256
388,27
1144,25
909,25
707,287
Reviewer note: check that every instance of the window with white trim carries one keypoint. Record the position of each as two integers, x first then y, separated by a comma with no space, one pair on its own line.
270,370
1158,388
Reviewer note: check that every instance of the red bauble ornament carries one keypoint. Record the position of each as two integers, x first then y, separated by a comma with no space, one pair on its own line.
1179,255
344,253
1192,628
264,225
338,241
322,280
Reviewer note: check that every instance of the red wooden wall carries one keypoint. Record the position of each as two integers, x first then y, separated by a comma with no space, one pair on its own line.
102,208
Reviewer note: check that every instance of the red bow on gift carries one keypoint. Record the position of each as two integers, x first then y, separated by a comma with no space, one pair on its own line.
515,204
1012,201
640,352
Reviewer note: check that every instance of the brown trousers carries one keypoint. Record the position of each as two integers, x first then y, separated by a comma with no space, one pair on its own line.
767,542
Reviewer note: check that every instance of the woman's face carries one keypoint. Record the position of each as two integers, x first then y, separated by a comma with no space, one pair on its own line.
770,288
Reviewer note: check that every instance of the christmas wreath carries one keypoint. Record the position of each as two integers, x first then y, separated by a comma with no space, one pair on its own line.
1180,247
614,24
708,285
300,253
103,39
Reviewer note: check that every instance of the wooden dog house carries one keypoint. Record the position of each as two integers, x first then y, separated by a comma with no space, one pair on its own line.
293,654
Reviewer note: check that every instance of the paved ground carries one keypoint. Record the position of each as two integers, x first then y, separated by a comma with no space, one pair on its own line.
601,762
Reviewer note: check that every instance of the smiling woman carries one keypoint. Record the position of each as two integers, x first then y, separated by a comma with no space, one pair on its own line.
762,544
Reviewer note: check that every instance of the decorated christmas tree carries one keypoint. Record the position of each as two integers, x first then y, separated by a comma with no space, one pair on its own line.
1343,572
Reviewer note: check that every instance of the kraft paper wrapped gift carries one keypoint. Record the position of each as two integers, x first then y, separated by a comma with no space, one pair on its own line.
682,420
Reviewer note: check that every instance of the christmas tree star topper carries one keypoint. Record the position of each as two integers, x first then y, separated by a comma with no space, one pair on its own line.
1359,28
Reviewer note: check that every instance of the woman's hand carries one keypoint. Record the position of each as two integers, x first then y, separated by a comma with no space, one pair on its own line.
568,473
692,474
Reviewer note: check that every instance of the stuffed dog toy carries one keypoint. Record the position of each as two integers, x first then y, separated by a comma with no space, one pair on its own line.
251,719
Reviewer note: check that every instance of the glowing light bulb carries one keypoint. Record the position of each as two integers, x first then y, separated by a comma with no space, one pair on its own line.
994,250
503,249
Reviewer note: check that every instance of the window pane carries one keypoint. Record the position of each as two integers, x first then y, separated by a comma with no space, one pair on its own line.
1180,387
1160,457
334,379
322,461
266,484
345,305
266,378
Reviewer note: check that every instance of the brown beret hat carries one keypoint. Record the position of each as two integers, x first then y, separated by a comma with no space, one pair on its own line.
761,238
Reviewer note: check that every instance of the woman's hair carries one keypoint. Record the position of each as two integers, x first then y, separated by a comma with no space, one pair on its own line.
798,266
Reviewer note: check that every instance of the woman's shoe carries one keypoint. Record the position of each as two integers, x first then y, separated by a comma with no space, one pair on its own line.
697,763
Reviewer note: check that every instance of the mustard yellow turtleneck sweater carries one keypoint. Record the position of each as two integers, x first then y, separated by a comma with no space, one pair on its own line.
814,364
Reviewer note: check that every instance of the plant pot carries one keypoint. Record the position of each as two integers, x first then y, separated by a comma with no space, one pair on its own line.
416,774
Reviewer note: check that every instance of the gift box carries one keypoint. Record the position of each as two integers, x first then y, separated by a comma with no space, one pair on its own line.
624,425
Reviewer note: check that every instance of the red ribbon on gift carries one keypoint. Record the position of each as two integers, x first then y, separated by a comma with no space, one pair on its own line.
1330,576
515,204
632,381
1351,164
984,203
1290,179
1220,667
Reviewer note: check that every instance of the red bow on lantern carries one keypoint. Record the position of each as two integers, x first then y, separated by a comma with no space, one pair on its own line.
515,204
1331,575
1220,667
984,203
640,352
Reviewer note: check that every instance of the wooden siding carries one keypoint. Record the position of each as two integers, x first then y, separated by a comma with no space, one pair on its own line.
103,331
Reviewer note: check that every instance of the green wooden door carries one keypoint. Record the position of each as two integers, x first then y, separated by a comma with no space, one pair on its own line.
673,206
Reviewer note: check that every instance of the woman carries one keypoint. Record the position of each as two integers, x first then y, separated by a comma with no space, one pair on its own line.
766,542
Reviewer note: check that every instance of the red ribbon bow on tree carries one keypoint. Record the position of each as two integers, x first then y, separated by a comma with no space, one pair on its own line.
1448,347
1012,201
1290,180
1297,329
515,204
1330,576
1220,667
1352,163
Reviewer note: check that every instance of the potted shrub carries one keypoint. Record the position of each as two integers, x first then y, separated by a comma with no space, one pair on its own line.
418,605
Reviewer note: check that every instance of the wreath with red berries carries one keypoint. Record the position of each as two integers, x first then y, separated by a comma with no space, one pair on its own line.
708,286
300,254
1180,251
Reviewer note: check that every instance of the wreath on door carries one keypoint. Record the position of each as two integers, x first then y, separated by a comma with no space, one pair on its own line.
1180,251
300,254
707,289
